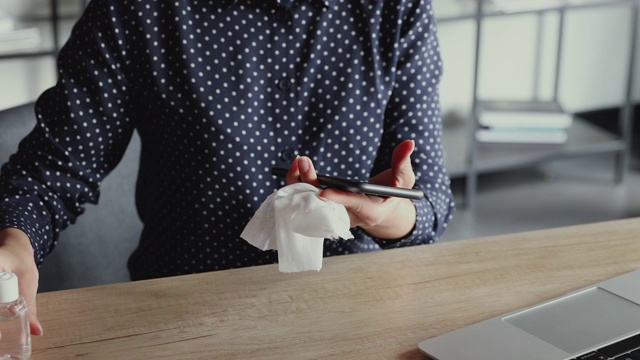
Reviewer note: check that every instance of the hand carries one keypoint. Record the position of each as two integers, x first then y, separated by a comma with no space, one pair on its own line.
16,255
386,218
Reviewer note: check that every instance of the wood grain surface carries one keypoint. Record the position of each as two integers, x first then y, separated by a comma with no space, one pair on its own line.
367,306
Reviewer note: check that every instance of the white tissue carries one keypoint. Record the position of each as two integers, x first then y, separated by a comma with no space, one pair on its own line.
295,221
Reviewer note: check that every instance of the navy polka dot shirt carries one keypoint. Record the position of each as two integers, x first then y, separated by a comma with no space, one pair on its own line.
220,92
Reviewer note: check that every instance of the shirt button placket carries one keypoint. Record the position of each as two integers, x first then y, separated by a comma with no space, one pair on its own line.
287,155
284,13
284,83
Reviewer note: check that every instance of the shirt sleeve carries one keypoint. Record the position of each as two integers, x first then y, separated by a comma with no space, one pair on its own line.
83,128
413,112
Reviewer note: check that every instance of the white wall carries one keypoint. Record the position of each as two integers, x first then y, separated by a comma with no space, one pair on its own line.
22,80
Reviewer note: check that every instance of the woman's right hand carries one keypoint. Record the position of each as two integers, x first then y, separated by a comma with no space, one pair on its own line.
16,256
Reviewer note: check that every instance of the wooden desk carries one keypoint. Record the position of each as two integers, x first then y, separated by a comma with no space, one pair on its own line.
366,306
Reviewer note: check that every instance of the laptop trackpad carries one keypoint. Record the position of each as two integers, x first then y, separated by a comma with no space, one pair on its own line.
579,321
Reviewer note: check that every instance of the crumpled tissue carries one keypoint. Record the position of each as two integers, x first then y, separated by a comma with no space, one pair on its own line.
295,221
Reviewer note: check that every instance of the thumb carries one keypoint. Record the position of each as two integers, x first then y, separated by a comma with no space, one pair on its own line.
401,164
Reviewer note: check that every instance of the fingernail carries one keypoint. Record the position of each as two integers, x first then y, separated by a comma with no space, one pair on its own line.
39,331
303,164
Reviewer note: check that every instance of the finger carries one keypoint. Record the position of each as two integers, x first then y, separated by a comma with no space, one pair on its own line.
363,210
353,202
29,289
307,171
293,175
34,325
350,201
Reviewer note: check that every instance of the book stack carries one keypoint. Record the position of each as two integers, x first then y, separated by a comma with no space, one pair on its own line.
16,37
523,122
41,9
514,6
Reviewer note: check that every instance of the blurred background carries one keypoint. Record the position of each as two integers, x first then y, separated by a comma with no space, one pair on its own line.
581,55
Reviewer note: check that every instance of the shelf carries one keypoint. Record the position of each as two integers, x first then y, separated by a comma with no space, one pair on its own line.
453,10
46,46
467,158
41,9
448,10
510,7
584,139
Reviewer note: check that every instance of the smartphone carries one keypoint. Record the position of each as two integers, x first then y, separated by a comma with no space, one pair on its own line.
360,187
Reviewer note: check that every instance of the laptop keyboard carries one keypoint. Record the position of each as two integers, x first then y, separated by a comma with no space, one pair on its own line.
625,349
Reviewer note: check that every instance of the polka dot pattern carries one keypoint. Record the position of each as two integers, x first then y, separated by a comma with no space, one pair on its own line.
219,92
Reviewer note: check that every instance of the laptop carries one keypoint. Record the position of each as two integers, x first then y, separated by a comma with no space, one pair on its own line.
598,322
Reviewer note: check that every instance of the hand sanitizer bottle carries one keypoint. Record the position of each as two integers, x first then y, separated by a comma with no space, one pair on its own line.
15,335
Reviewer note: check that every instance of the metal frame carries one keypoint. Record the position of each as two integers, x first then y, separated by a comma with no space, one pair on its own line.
626,114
